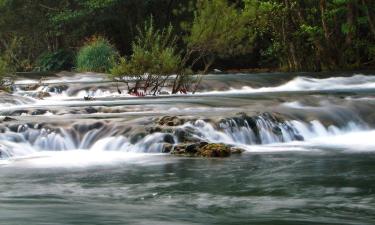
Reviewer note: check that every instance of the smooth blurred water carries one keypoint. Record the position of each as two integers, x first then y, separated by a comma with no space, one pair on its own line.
88,172
325,187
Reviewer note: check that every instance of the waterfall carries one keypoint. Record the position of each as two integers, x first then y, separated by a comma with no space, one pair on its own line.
243,130
263,130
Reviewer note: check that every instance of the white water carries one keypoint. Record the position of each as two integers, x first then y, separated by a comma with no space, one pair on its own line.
358,82
35,147
77,78
60,148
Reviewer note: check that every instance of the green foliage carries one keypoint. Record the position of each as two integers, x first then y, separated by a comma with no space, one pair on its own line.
154,53
218,30
4,69
154,59
97,55
5,75
55,61
298,35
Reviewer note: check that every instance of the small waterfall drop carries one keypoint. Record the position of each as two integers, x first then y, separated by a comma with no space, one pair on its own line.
243,130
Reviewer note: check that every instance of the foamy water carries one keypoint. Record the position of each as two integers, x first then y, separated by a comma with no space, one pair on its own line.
311,84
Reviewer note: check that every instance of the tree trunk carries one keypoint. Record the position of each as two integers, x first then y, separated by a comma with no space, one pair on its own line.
323,5
287,29
350,21
369,18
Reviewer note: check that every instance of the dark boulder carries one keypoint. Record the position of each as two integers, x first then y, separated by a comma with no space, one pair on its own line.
168,138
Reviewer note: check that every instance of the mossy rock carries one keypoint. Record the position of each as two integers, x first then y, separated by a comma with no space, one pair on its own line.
31,87
204,149
171,121
215,150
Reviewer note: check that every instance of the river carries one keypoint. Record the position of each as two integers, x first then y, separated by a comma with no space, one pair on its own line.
308,141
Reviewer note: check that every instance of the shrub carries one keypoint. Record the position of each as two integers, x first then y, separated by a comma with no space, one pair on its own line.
5,75
3,67
154,59
97,55
56,61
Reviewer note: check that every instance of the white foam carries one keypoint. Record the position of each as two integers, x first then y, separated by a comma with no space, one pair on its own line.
76,78
311,84
352,142
360,141
76,158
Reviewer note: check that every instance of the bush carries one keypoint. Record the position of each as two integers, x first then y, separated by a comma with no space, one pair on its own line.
5,75
56,61
154,59
97,55
3,68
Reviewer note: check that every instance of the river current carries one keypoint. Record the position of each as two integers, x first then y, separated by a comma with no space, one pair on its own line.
309,142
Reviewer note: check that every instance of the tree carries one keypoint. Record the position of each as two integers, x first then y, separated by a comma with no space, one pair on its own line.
219,29
154,59
5,72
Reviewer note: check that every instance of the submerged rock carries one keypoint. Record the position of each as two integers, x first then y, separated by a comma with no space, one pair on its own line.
91,110
39,112
137,137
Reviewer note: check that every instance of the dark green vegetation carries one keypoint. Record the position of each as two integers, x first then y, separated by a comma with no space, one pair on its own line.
97,55
307,35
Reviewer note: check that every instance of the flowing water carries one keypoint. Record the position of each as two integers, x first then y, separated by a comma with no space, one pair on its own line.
309,142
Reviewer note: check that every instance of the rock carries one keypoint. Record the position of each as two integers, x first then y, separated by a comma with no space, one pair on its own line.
184,135
236,150
31,87
88,98
152,130
186,149
167,148
137,137
171,121
91,110
168,138
19,112
299,137
164,93
215,150
58,88
277,131
7,119
42,95
203,149
38,112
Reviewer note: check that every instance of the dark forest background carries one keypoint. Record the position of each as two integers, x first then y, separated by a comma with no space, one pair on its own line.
288,35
